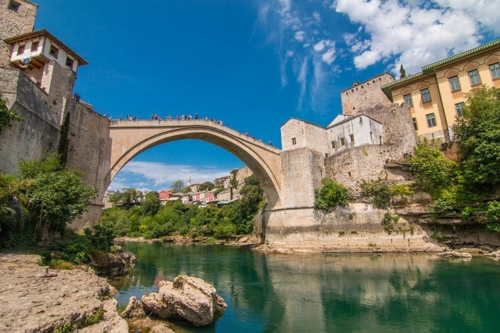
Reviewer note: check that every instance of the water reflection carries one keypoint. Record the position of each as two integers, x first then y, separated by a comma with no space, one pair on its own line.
335,293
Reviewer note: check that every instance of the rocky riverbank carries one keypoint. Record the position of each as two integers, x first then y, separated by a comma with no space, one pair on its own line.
37,299
244,241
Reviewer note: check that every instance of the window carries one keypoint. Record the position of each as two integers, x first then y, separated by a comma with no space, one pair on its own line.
426,95
474,77
408,100
20,49
351,136
495,70
69,62
34,46
454,83
294,141
415,125
14,6
333,144
54,51
431,120
342,141
460,108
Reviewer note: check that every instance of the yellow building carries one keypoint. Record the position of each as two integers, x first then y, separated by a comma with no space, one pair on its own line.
436,95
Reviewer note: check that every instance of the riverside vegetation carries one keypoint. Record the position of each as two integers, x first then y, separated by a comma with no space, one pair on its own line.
149,219
466,186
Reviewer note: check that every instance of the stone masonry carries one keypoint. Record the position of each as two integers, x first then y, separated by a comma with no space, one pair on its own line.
14,23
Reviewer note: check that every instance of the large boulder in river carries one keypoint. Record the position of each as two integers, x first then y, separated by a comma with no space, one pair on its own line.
187,298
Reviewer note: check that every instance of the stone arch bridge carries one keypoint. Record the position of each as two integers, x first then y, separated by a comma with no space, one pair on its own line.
131,137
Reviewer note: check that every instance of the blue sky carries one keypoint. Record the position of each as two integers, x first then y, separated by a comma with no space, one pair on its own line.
251,63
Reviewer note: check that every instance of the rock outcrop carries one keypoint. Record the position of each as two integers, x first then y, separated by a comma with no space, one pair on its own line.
187,298
112,264
134,309
35,299
455,254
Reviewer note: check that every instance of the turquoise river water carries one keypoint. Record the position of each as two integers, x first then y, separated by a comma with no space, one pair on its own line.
327,293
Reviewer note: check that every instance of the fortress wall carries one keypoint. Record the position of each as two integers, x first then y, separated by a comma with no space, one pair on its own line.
86,146
355,228
37,134
365,94
13,24
301,172
305,134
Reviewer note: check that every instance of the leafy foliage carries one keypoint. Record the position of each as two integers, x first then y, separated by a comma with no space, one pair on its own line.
330,195
6,116
174,217
151,204
479,134
128,197
177,185
434,172
206,186
53,195
383,195
102,236
388,222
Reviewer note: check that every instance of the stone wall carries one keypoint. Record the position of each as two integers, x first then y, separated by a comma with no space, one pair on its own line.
86,146
37,134
356,228
58,82
301,172
365,95
297,134
14,23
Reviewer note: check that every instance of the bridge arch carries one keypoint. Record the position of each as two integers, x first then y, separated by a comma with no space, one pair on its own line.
129,138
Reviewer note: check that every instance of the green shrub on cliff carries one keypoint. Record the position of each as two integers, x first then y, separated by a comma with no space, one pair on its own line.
330,195
384,195
433,171
53,195
7,116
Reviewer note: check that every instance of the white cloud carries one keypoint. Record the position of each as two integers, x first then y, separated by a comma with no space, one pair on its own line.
302,80
320,46
416,32
300,36
155,175
329,56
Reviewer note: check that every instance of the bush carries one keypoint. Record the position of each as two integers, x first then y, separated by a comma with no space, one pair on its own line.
388,222
382,195
330,195
433,171
493,211
102,237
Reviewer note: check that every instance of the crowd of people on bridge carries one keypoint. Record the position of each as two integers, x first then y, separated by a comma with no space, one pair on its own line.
187,117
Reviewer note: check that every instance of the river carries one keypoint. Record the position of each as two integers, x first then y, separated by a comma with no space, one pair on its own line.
327,293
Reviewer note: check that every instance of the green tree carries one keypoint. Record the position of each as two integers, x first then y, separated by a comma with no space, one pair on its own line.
128,197
434,172
151,204
330,195
177,185
478,132
7,116
234,181
402,72
206,186
53,195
